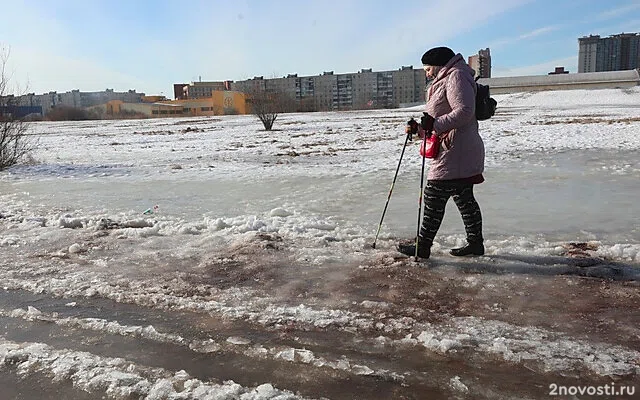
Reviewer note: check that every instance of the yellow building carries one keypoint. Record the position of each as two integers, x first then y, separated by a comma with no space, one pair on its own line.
221,102
117,107
113,107
153,109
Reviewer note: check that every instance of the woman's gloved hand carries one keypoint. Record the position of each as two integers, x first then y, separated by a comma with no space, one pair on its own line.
426,122
412,127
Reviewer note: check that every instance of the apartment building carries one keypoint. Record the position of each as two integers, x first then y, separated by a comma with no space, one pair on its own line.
344,92
325,95
408,85
384,90
352,91
76,99
481,63
254,85
305,92
286,85
199,90
614,53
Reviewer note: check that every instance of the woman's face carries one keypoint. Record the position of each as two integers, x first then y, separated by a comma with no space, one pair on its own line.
431,71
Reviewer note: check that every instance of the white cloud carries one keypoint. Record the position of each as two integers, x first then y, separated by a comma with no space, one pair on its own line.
431,24
539,31
625,26
615,27
616,12
528,35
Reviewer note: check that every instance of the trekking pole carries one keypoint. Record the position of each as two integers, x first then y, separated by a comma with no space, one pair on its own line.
409,137
424,144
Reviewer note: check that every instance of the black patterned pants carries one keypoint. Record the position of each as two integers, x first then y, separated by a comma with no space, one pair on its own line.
436,195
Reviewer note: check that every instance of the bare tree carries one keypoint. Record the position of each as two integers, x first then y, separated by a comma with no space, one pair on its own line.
15,144
266,105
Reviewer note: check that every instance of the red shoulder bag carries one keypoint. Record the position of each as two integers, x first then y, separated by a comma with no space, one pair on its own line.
430,146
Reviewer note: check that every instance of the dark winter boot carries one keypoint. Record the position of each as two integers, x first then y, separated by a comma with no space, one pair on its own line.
409,249
471,249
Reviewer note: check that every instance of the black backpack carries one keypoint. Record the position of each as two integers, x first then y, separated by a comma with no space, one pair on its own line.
485,104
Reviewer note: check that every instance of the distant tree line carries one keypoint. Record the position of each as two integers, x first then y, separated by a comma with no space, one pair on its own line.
67,113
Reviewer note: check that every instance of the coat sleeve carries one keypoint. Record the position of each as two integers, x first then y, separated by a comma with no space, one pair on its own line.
461,96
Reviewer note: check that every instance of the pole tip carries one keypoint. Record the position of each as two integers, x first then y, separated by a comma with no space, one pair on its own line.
373,246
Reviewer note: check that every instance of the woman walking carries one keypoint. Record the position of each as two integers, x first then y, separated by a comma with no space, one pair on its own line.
450,114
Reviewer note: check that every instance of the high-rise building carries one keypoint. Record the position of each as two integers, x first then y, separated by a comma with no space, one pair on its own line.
481,63
614,53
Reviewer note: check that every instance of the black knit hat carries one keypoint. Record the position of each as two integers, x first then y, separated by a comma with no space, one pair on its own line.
438,56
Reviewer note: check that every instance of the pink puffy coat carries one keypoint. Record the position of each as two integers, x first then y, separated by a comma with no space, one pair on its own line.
451,102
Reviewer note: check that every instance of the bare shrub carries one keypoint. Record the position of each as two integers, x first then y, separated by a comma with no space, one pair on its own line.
123,114
15,143
66,113
267,105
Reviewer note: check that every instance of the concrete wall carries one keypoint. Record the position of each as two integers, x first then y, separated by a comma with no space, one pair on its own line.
589,80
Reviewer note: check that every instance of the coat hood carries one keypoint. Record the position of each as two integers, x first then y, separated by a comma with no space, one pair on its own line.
456,63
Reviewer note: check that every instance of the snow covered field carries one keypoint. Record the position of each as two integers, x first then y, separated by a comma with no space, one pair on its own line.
254,278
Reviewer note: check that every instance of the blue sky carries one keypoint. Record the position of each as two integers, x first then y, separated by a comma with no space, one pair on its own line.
149,45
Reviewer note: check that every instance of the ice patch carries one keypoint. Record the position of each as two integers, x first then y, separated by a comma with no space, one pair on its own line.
280,212
76,248
443,345
71,223
456,384
11,240
374,304
30,314
629,252
120,379
238,340
139,232
554,351
239,344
